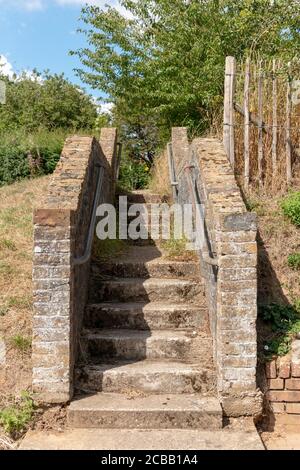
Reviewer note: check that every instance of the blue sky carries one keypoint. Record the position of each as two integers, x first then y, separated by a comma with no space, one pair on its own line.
39,33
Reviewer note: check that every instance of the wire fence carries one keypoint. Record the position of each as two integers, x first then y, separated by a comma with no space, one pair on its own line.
261,126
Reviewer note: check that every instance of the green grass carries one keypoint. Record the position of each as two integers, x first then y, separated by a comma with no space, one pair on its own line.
15,418
291,207
20,303
8,244
21,343
284,321
294,261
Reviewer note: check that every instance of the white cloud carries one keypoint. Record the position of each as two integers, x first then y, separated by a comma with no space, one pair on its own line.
30,5
5,67
35,5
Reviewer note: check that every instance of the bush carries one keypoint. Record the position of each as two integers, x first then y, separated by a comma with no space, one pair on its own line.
294,261
133,175
15,418
43,147
284,321
291,208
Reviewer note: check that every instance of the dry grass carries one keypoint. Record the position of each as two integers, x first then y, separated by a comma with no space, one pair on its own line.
160,179
16,233
278,238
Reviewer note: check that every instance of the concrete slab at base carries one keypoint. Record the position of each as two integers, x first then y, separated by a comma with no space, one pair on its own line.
132,439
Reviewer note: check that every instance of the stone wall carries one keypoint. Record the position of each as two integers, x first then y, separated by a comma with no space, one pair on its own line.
283,396
61,227
231,286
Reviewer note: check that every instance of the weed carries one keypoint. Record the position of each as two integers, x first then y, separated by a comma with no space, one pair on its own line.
20,303
176,248
21,343
291,207
294,261
8,244
105,249
15,418
5,269
284,321
3,310
253,205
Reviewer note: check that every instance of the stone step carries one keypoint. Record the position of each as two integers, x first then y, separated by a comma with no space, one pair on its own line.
116,411
145,197
141,316
245,438
138,344
143,290
157,268
154,377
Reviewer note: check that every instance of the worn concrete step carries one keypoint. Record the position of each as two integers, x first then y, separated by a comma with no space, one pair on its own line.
141,316
158,268
151,290
146,344
146,376
146,412
141,439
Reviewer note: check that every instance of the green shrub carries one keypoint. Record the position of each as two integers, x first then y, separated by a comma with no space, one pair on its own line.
15,418
21,343
291,207
294,261
133,175
44,147
284,321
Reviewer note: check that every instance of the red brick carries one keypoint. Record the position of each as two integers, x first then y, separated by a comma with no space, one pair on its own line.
293,408
284,367
283,395
278,408
276,384
292,384
271,370
295,370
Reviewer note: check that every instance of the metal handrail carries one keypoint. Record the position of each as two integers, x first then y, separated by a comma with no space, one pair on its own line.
118,164
88,250
172,172
206,255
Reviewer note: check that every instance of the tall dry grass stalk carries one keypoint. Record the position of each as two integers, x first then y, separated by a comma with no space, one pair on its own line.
160,180
274,180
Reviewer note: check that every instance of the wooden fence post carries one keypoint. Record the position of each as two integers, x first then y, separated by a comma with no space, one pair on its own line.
260,125
274,119
288,128
246,123
229,91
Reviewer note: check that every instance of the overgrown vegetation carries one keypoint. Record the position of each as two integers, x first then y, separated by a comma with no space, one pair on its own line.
294,261
291,207
16,417
284,321
133,174
164,65
105,249
39,113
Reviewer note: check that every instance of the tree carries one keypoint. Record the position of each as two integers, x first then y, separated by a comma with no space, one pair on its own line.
49,102
165,65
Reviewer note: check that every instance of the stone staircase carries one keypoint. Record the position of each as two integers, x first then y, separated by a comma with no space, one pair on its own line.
146,347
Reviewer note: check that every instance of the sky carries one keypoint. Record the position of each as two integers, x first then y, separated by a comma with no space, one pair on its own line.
38,34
